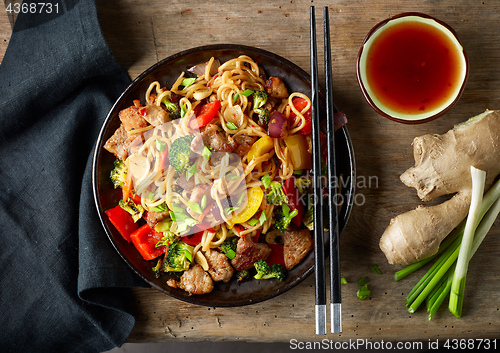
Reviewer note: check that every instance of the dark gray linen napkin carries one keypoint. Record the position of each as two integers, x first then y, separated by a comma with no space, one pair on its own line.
61,282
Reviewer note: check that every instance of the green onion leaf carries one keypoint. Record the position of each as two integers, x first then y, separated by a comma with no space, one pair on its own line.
247,92
160,208
362,281
253,221
343,280
374,268
206,153
262,218
236,96
231,126
363,292
160,145
266,180
203,203
177,208
181,227
188,81
191,222
195,207
191,171
183,110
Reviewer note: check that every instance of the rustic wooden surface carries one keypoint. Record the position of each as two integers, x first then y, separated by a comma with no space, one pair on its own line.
142,32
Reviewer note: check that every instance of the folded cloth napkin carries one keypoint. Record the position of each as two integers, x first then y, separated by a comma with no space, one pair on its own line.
61,282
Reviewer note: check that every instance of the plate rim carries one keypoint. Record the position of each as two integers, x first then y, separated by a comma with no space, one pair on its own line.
195,299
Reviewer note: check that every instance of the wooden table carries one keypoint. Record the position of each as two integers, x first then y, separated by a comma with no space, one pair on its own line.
142,32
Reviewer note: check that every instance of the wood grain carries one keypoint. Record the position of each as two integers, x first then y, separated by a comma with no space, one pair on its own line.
140,33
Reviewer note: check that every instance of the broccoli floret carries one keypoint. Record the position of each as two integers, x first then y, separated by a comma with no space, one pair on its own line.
178,257
228,247
242,275
180,153
276,196
308,219
264,271
119,173
131,207
172,108
259,100
283,217
303,184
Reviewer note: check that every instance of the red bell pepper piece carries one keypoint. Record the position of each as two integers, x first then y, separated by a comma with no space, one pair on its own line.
206,115
294,200
122,221
193,239
299,104
277,255
144,239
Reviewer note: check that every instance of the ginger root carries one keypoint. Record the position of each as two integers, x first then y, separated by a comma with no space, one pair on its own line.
442,167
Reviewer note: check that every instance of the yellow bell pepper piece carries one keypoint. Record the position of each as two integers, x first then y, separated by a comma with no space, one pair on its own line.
254,200
260,147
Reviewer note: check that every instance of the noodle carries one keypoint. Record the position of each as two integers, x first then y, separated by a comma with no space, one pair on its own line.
206,197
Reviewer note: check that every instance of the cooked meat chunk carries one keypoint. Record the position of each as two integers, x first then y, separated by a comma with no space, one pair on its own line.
297,243
153,218
216,140
196,281
220,269
155,115
184,183
244,144
132,119
197,144
118,143
248,252
199,191
276,88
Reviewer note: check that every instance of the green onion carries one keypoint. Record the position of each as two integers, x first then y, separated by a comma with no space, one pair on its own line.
343,280
458,283
181,227
206,153
362,281
203,203
160,145
253,221
188,81
375,269
262,218
236,96
266,180
247,92
183,110
231,126
160,208
177,208
363,292
191,222
195,207
191,171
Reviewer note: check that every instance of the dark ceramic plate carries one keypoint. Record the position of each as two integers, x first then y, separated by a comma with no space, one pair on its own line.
106,197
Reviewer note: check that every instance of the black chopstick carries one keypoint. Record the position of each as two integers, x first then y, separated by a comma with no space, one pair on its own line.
319,256
335,294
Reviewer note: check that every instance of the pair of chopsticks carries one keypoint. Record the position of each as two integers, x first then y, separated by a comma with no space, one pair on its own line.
319,260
